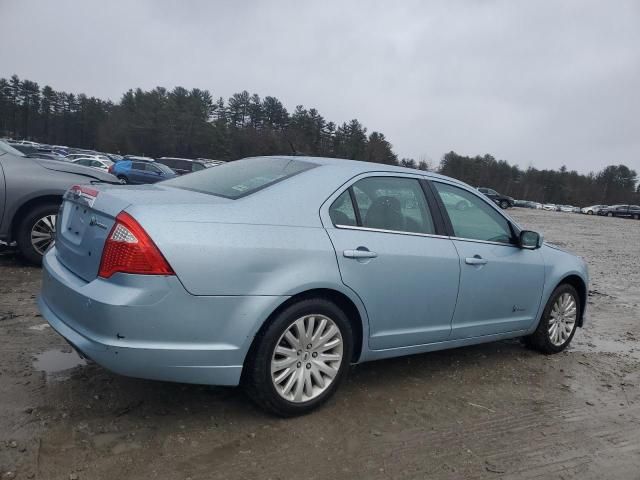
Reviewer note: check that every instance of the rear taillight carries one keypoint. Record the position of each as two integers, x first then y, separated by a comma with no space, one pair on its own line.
129,249
110,169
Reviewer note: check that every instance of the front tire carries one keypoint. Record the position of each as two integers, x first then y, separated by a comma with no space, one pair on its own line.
299,360
36,232
590,212
559,321
609,214
504,204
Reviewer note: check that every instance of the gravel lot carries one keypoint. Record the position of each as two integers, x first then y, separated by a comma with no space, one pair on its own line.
490,411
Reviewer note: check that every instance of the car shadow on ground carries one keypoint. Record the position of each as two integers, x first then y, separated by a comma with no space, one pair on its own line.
100,393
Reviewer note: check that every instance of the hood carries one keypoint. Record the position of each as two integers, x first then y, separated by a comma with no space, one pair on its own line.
68,167
559,248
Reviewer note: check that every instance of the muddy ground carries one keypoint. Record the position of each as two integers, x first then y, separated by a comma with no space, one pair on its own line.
490,411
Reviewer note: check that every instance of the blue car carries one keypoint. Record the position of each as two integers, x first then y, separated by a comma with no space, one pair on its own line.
140,171
279,272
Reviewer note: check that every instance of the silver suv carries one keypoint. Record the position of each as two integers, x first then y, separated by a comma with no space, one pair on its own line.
31,191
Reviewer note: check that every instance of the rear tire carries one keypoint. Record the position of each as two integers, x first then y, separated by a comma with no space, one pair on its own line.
543,339
265,379
32,231
123,180
609,214
504,204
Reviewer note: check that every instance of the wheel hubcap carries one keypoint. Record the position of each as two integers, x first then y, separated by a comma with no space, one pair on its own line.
307,358
43,234
563,319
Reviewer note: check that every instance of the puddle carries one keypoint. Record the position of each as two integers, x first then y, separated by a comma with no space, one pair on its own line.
40,327
53,362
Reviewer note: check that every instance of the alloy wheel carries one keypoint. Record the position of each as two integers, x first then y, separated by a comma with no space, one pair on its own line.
43,233
562,321
307,358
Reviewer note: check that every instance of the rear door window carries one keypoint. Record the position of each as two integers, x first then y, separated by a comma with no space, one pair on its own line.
395,204
342,212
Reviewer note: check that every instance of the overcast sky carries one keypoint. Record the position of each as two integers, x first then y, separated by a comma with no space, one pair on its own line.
535,83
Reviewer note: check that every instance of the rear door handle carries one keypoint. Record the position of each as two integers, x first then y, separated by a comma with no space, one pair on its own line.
360,252
475,260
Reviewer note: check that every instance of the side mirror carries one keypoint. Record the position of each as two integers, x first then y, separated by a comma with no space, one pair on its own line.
530,239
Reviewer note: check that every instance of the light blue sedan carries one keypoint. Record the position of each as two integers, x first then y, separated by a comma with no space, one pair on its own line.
279,272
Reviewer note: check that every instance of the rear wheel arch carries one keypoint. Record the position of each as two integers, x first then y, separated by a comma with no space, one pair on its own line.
29,205
338,298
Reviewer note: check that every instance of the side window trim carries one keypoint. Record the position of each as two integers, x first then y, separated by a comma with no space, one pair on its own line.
434,207
354,205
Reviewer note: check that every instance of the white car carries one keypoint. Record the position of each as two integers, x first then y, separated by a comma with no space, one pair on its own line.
593,209
94,162
550,206
566,208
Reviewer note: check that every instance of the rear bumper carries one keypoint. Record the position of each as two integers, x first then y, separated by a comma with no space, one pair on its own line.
150,327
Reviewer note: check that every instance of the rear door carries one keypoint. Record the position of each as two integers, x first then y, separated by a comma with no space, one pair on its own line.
391,253
137,173
500,283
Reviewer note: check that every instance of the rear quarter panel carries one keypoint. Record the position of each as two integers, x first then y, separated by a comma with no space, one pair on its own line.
247,259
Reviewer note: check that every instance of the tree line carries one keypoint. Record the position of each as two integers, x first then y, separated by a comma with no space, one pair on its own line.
192,123
183,123
613,184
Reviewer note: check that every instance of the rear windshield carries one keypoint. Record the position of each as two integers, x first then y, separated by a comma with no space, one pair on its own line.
6,148
242,177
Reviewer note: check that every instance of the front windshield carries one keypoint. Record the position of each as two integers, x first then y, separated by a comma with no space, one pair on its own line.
6,148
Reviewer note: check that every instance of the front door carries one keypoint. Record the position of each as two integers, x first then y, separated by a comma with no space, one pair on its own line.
389,253
500,283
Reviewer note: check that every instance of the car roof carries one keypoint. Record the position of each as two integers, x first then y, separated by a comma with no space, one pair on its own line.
357,166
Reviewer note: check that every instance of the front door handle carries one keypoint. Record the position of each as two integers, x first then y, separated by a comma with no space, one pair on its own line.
360,252
475,260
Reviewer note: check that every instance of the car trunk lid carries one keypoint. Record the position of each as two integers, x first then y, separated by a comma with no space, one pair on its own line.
88,213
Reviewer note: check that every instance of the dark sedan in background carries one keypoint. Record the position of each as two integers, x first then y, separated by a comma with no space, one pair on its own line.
503,201
626,211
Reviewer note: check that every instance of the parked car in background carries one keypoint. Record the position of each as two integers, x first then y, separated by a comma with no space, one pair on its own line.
93,162
502,200
275,272
48,156
576,210
138,158
566,208
139,171
593,209
626,211
212,161
31,191
186,165
551,207
114,157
